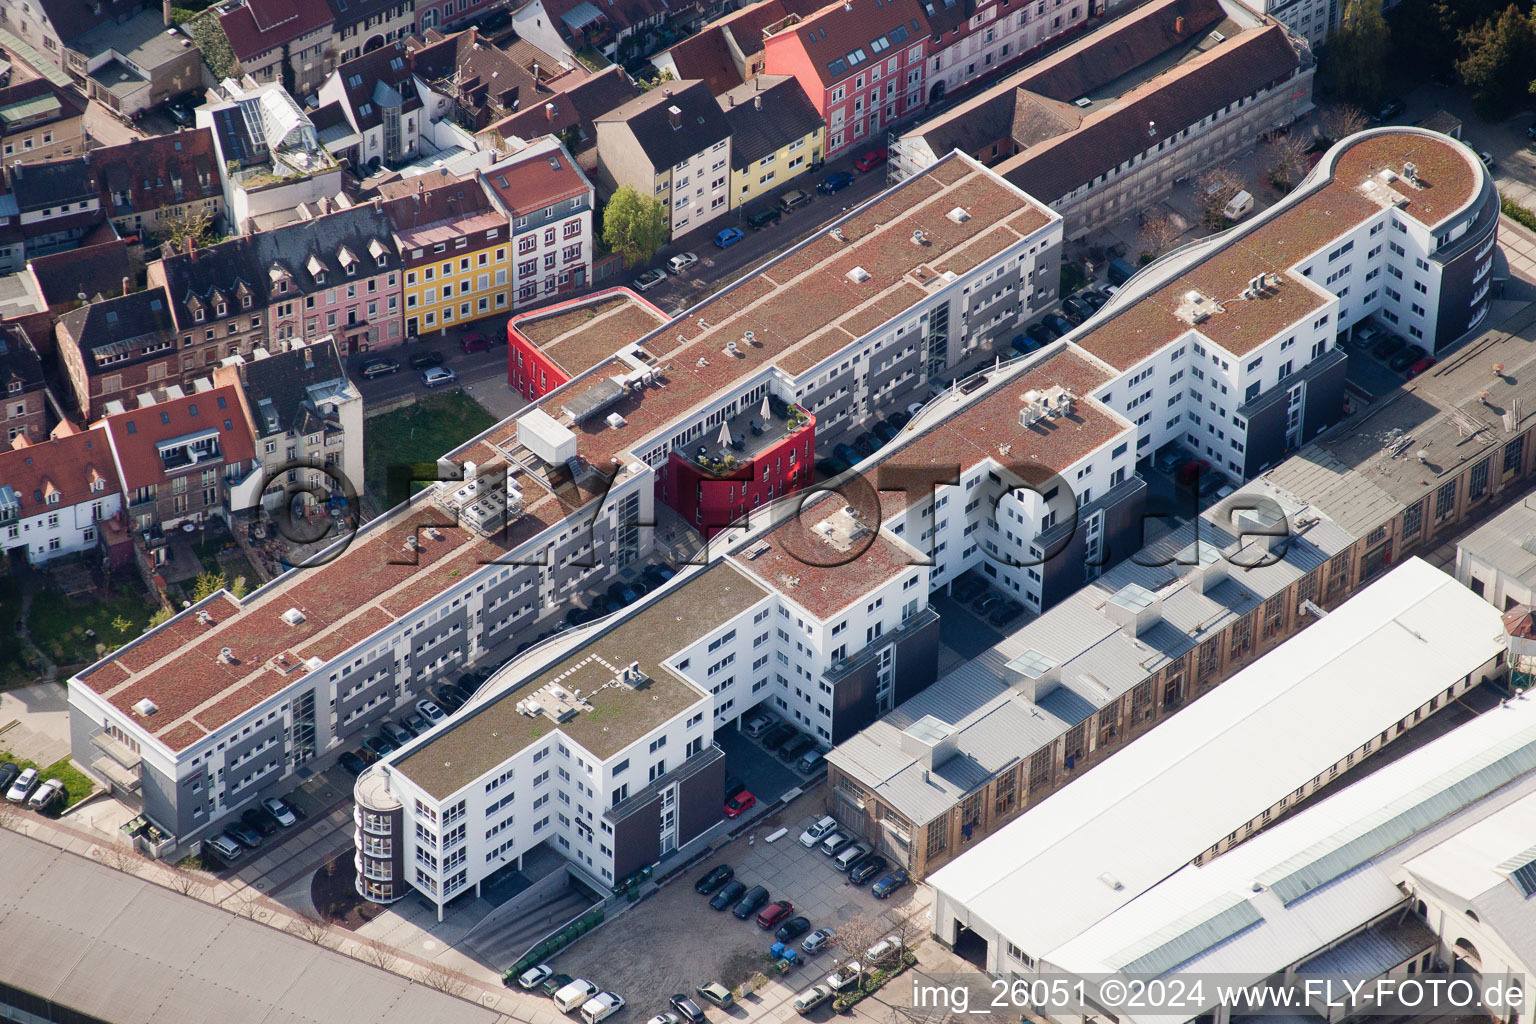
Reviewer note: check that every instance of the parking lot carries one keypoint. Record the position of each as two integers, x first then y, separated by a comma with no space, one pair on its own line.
654,949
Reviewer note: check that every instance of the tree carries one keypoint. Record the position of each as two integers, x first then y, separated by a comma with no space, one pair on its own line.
1160,232
1357,53
1287,161
161,615
442,979
207,584
188,884
1215,187
120,858
647,84
634,226
856,935
311,929
185,223
1498,55
376,953
1342,120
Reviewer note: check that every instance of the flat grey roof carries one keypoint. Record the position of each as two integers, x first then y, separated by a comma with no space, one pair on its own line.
1508,540
126,950
1099,662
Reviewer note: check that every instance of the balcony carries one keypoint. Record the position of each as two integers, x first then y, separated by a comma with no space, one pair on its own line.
751,434
840,669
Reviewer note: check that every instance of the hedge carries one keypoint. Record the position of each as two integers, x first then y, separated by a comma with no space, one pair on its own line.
1514,211
872,983
555,943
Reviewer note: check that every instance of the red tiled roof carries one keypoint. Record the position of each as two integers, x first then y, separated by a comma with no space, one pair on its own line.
261,26
840,29
526,184
68,466
136,434
147,171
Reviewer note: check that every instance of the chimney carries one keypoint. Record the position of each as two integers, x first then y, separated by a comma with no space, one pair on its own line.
1178,25
535,72
757,103
165,13
549,111
675,117
125,286
192,248
309,358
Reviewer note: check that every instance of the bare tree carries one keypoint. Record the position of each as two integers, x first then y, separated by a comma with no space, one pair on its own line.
909,927
1216,186
120,858
442,979
248,907
1160,232
187,883
856,935
312,929
1288,160
1342,120
376,953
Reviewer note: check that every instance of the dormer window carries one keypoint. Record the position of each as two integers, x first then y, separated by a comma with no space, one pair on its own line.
14,387
98,485
197,314
222,309
381,261
53,497
245,302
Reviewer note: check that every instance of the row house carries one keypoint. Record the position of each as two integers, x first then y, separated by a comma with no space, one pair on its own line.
67,280
861,64
376,94
454,247
303,412
180,456
57,205
776,135
446,14
967,42
362,26
549,203
55,496
465,77
48,25
40,120
151,186
131,65
729,50
569,113
282,42
120,347
219,297
23,390
672,143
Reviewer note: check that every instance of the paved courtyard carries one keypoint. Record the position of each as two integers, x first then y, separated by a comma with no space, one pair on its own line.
35,722
674,941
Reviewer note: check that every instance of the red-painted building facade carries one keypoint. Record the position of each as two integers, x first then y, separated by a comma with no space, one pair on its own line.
775,461
860,62
548,346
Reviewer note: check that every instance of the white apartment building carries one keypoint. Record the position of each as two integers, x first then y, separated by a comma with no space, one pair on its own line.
549,202
54,495
994,35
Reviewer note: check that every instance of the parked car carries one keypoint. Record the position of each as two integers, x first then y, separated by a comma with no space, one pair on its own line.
739,804
533,977
555,983
848,453
792,750
966,588
792,200
1190,472
425,360
1056,323
474,341
574,994
728,895
379,368
842,179
1076,308
1097,299
1390,109
812,997
831,466
682,261
717,994
1212,482
899,418
1387,347
850,856
381,745
22,787
750,903
259,819
279,809
1409,355
758,723
817,940
885,431
665,1017
1420,366
437,376
844,977
776,735
714,878
690,1011
991,600
888,884
819,830
225,848
865,444
774,913
242,832
762,217
836,843
870,160
179,113
1169,458
50,791
729,237
811,762
447,698
352,762
601,1007
782,747
1040,334
883,950
866,869
1005,612
649,279
415,723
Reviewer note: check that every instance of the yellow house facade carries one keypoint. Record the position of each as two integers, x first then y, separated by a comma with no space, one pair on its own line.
457,254
776,136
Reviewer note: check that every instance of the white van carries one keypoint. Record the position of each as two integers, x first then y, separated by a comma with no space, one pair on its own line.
1238,206
601,1006
574,994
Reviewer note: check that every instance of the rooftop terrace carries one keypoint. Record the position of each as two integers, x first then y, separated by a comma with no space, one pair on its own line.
581,334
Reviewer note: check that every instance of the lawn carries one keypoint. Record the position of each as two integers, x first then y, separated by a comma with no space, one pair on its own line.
76,785
416,435
63,628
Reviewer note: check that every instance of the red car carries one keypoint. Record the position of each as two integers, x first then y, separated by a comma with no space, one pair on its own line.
739,804
773,913
869,161
475,343
1420,366
1191,472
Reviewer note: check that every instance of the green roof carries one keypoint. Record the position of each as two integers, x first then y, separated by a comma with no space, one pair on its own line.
33,58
